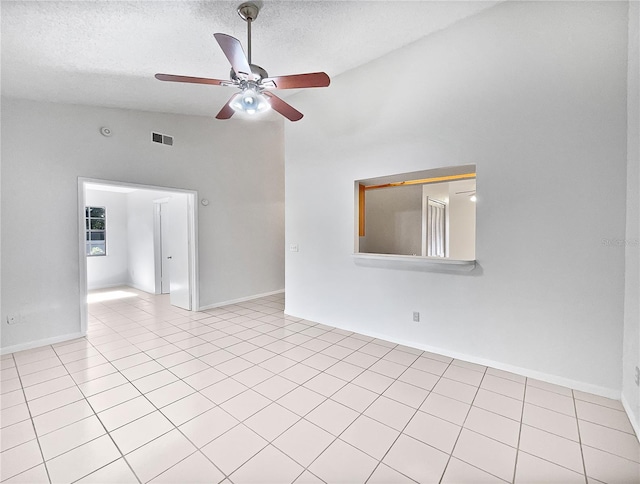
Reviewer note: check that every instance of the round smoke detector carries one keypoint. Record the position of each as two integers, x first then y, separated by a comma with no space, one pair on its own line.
104,131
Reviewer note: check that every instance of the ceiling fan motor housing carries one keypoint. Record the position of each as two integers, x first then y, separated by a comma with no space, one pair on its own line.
248,11
258,72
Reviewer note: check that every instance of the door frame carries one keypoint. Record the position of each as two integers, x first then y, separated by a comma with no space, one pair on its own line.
157,242
192,197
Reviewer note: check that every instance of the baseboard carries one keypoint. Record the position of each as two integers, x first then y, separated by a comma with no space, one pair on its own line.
242,299
106,286
140,288
41,342
633,418
546,377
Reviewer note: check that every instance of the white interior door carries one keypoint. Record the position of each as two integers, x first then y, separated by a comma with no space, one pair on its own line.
176,239
165,262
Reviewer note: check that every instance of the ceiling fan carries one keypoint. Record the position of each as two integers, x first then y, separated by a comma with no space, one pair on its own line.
252,80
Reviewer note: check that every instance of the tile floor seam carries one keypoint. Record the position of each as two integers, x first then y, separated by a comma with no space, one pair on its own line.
227,476
215,438
524,398
110,437
611,453
380,463
132,381
556,464
166,470
609,427
35,433
382,394
444,471
597,424
333,439
401,432
484,470
596,403
499,414
122,455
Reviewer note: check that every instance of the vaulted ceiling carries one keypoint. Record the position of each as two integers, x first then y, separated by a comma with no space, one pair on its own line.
106,52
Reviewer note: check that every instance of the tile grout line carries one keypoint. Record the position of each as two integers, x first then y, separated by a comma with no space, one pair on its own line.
584,464
86,399
409,421
158,409
325,397
35,433
524,398
462,427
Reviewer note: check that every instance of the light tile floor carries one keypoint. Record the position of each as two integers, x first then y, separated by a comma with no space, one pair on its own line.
244,394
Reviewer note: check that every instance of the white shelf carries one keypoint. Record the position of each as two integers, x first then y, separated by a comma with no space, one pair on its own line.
413,262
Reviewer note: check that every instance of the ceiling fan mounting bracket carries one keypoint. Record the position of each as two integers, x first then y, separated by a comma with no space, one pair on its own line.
248,11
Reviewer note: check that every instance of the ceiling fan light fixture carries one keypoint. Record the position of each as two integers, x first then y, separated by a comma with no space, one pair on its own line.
250,101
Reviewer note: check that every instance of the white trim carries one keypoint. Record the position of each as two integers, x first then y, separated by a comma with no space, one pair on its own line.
157,247
413,262
192,204
82,254
242,299
632,417
108,286
612,393
41,342
139,288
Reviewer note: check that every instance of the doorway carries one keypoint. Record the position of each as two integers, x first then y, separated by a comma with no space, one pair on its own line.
139,252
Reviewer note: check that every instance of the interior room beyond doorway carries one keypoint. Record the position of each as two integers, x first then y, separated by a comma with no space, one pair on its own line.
147,240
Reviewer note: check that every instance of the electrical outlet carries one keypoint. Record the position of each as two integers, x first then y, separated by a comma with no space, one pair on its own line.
13,319
293,247
416,316
637,376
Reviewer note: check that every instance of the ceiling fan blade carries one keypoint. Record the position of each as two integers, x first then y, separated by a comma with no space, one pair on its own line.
232,48
227,111
282,107
295,81
193,80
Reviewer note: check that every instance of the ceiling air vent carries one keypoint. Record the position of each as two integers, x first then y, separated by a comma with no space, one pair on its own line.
162,138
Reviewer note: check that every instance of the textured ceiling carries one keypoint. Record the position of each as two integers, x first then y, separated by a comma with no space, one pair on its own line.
106,52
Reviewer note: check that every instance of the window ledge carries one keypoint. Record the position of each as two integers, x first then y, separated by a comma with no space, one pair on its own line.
413,262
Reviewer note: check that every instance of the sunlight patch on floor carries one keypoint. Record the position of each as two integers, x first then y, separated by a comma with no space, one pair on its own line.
109,296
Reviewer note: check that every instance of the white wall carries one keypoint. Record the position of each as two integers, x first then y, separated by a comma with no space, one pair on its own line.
110,270
631,355
140,224
47,146
462,225
533,94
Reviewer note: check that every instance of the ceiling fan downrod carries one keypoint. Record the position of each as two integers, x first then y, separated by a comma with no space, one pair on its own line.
248,12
